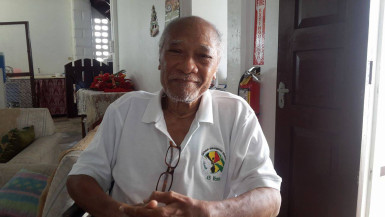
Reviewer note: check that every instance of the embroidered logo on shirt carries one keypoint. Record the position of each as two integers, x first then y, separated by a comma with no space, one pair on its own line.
213,162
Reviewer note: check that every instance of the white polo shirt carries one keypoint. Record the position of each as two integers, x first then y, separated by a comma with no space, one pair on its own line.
132,140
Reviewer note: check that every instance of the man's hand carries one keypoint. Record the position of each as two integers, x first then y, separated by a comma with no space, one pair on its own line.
260,202
175,204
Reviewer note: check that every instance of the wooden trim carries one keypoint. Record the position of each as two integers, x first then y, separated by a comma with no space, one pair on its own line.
21,74
30,64
13,23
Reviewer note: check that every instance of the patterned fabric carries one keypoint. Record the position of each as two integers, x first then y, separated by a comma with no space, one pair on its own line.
20,196
14,142
18,92
51,94
93,104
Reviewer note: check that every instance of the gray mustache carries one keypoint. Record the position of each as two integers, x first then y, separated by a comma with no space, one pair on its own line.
185,78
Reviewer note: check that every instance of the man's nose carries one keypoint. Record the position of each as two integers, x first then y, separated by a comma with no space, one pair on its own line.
189,65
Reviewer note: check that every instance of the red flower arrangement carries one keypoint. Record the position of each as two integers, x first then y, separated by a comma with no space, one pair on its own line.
112,83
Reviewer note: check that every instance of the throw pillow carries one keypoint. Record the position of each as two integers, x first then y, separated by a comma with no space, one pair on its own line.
14,142
20,196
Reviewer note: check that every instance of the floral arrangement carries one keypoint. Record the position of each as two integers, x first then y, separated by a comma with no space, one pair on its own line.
112,83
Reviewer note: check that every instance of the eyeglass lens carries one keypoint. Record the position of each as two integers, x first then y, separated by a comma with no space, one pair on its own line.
166,178
165,181
171,152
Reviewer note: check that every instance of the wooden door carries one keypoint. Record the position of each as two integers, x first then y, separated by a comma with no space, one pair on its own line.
322,62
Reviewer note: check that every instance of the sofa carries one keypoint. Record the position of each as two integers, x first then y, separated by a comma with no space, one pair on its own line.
42,154
55,199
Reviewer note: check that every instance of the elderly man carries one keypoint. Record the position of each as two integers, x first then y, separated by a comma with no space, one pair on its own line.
184,151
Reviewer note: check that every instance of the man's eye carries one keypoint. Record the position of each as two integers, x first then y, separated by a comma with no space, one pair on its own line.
205,56
175,51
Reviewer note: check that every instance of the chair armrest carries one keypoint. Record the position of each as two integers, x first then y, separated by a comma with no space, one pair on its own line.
74,211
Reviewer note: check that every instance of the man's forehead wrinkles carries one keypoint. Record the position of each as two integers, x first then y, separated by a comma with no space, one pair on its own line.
204,47
176,42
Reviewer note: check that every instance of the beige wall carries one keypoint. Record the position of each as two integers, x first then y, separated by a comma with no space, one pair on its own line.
138,51
50,30
240,56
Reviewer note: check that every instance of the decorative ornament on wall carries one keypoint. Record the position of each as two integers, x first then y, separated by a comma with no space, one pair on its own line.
259,32
172,9
154,28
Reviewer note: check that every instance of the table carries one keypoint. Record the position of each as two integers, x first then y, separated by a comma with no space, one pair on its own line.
92,105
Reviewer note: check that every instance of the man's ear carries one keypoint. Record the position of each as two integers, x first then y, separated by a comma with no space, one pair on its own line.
159,67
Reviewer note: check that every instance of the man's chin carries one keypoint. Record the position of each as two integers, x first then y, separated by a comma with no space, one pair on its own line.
184,98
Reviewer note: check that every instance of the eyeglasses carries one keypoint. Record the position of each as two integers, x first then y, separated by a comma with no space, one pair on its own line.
166,183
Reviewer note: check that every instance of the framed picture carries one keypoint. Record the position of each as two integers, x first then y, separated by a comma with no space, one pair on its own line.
172,10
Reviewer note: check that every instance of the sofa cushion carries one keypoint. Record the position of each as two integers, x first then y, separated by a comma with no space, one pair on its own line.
22,117
43,150
14,142
20,196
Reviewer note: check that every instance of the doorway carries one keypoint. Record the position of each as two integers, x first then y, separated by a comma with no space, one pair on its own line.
322,71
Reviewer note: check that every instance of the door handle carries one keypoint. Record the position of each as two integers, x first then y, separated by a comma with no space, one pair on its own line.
281,93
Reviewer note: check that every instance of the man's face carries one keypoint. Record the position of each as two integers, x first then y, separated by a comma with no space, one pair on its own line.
188,61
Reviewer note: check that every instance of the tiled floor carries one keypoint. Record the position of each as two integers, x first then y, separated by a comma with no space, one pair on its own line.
71,129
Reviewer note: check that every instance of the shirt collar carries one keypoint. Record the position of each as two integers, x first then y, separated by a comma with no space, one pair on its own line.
205,110
154,113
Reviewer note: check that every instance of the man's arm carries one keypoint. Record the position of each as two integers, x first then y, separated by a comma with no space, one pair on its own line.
260,202
88,194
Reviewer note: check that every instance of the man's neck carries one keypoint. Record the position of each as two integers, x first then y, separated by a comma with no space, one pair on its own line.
178,117
180,110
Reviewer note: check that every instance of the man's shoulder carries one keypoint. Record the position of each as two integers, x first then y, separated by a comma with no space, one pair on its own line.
134,95
231,102
133,99
227,97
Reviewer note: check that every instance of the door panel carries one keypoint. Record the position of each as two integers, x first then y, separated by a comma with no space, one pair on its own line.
315,12
313,70
311,177
322,61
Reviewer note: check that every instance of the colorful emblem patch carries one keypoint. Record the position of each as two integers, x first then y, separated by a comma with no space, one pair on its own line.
213,162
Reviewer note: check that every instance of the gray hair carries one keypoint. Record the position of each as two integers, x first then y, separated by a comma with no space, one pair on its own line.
168,28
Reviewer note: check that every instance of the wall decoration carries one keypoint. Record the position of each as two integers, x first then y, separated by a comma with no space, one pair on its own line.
259,32
154,27
172,10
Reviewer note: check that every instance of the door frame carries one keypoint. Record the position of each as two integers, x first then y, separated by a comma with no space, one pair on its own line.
31,73
376,61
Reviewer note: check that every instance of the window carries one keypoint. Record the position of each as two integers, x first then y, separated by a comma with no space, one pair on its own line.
101,39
